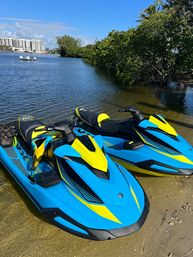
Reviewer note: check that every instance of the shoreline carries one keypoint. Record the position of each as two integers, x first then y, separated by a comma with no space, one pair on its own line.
21,52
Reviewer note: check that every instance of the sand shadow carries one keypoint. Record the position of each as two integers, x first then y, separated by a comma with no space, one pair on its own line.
161,108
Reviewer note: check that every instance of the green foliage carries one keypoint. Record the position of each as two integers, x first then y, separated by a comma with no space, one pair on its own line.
69,46
89,54
54,51
153,45
5,48
159,49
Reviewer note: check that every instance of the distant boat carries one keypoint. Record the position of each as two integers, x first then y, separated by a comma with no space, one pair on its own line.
27,58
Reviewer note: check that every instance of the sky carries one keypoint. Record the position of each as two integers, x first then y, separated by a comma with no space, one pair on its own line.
88,20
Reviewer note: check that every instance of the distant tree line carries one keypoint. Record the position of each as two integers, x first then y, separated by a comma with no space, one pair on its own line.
159,49
69,46
5,48
54,51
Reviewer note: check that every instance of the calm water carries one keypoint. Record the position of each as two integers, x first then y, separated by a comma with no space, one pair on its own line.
50,89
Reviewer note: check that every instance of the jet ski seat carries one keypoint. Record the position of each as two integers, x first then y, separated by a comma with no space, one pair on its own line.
100,121
27,129
106,126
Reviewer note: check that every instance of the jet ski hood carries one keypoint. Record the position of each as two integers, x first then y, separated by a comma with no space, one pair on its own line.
96,183
161,134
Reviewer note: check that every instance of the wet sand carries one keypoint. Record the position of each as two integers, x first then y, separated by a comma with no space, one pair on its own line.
166,232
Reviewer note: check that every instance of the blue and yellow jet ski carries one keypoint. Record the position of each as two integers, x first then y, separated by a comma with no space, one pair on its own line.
72,181
143,145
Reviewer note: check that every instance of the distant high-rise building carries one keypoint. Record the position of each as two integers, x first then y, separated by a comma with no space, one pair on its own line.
27,45
33,45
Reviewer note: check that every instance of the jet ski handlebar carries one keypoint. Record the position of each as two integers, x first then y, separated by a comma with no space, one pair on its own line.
65,129
60,128
134,111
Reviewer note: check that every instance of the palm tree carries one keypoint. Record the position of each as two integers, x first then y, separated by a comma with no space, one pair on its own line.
152,9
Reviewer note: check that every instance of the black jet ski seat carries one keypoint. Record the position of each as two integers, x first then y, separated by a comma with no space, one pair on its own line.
100,121
27,129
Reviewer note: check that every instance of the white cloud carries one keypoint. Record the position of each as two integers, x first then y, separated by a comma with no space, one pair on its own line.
38,29
33,29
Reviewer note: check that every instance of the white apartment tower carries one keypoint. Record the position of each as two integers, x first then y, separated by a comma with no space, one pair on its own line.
25,45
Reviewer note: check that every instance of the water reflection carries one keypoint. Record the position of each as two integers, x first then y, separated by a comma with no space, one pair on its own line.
179,99
189,100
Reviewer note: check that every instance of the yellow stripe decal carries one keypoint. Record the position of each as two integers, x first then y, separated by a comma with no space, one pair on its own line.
39,151
38,133
180,158
136,169
101,210
95,159
165,126
19,126
146,142
14,141
77,112
101,117
135,197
